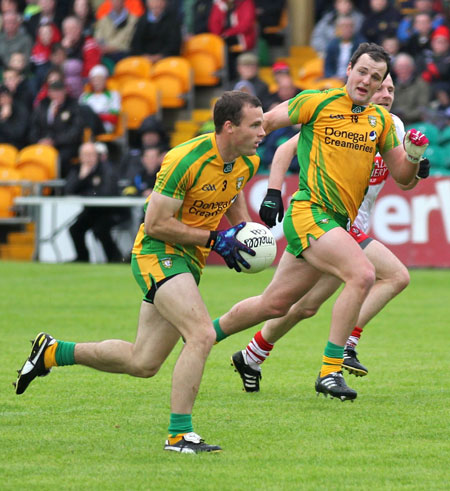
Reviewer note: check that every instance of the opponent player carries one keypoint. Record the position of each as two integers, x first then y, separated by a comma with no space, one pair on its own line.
391,275
199,182
341,133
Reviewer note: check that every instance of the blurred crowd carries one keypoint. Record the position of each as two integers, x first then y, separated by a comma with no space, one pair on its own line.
56,58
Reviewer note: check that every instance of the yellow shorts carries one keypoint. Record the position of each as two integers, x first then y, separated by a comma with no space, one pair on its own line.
305,221
152,270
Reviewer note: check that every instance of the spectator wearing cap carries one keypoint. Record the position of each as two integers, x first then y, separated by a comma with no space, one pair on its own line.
13,38
115,30
437,64
247,70
14,118
341,48
158,32
104,102
58,121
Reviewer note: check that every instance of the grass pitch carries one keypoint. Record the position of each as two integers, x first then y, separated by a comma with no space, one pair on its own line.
80,429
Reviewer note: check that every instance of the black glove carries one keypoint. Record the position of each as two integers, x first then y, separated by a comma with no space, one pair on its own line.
424,169
272,206
224,242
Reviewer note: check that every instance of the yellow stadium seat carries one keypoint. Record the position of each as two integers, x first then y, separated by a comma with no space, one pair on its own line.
117,134
173,77
206,53
140,98
38,163
8,192
8,155
132,67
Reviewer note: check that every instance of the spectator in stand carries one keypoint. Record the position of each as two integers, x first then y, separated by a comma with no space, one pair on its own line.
341,48
247,69
47,35
54,74
7,6
419,44
286,89
392,46
437,64
49,13
412,93
78,46
152,134
235,22
58,121
158,32
115,30
13,38
406,28
135,7
18,86
84,11
73,77
93,177
143,181
325,29
14,118
382,20
196,14
105,103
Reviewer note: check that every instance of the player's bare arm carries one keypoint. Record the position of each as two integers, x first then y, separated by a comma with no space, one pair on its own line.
238,211
278,117
281,161
160,222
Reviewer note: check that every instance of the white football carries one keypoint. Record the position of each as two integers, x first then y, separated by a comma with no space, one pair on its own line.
259,238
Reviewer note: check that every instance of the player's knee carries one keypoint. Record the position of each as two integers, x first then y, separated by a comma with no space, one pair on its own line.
276,308
145,370
400,279
202,339
365,277
308,312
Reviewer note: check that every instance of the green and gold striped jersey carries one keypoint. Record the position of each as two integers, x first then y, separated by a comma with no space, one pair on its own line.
196,173
337,146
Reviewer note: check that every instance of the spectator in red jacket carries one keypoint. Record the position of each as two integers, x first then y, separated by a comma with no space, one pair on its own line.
235,22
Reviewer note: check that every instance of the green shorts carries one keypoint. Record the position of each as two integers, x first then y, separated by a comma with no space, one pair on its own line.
305,221
152,270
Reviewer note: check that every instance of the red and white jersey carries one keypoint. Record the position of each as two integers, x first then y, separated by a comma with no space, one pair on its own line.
377,179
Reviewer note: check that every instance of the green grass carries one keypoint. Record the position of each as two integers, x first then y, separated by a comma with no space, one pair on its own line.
80,429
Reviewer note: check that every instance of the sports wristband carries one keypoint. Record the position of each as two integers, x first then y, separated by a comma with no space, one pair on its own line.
212,239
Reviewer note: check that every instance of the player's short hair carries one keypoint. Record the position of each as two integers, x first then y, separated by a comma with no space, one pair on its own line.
375,51
229,107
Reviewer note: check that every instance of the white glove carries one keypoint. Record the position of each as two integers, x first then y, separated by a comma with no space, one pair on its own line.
415,143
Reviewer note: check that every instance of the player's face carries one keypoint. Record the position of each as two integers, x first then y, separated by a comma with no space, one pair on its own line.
364,79
384,96
249,134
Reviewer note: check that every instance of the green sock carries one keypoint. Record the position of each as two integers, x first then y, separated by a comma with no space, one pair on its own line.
65,353
219,333
333,350
180,423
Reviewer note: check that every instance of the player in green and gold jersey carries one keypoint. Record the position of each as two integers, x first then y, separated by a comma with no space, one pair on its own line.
341,134
199,182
